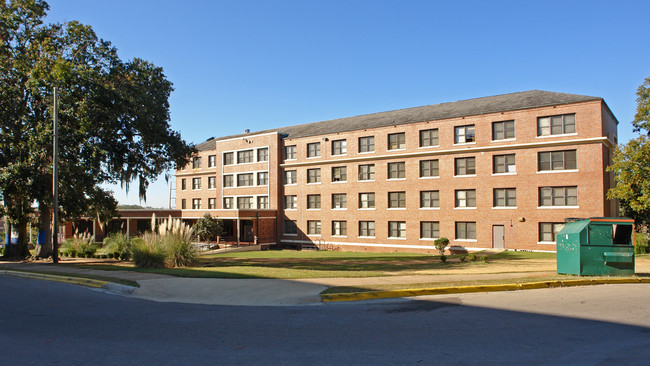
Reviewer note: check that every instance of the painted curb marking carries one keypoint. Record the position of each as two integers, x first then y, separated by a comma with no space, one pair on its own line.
89,282
357,296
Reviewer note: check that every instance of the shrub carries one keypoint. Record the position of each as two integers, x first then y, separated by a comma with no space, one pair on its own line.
641,243
441,244
462,258
147,254
170,246
208,228
443,258
471,257
484,258
79,245
117,243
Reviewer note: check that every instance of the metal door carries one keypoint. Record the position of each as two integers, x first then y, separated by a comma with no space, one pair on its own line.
498,237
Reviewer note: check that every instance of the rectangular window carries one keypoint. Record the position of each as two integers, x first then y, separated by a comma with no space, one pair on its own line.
339,228
228,181
196,204
290,152
464,134
367,144
558,196
262,178
196,183
548,231
465,166
502,164
367,229
313,175
339,174
503,130
212,182
429,168
245,156
396,141
505,197
313,201
397,170
429,229
196,162
212,203
397,229
290,202
313,227
465,198
313,150
367,172
557,160
556,125
228,203
228,158
244,203
263,154
183,204
262,202
212,161
290,177
339,200
290,227
339,147
466,230
367,200
429,137
183,184
396,199
244,180
429,199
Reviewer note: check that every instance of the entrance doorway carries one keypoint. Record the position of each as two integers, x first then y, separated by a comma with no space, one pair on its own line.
498,237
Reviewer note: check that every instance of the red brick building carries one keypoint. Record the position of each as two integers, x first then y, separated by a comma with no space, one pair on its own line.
500,171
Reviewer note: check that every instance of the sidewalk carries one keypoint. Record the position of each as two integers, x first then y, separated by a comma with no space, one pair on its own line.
253,292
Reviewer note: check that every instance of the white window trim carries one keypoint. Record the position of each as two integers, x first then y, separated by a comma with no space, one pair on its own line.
504,207
465,176
367,208
560,207
366,152
507,173
505,140
436,177
467,240
316,235
547,242
401,149
464,143
368,180
367,237
396,208
557,171
339,236
429,208
344,154
314,209
396,238
340,209
429,239
428,147
339,181
393,179
311,184
464,208
559,135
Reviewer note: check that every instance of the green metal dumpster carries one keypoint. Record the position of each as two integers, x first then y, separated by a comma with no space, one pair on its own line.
598,246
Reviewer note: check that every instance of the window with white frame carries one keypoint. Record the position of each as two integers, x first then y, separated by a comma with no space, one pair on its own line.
367,229
465,198
367,172
313,150
196,204
196,162
313,227
429,199
502,164
429,168
464,134
339,174
245,180
262,178
505,197
339,201
228,158
556,125
397,141
290,227
228,181
212,182
557,160
228,203
429,229
262,202
397,229
290,202
313,201
339,147
339,228
245,156
183,184
429,137
196,183
245,203
290,152
212,161
396,199
212,203
558,196
465,166
465,230
366,144
503,130
263,154
367,200
290,177
313,175
548,231
397,170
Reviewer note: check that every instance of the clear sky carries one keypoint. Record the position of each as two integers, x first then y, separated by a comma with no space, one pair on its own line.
255,65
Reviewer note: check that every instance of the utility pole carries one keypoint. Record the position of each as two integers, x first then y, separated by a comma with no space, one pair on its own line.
55,180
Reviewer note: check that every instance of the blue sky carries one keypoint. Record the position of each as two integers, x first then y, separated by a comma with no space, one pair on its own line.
263,64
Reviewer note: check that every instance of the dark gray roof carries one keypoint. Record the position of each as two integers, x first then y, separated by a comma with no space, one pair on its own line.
463,108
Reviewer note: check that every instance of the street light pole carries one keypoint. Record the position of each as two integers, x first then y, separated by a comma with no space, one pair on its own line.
55,180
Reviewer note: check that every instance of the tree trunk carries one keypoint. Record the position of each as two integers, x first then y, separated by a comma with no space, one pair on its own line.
20,250
44,243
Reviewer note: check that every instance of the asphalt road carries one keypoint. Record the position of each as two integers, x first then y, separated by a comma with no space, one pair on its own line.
48,323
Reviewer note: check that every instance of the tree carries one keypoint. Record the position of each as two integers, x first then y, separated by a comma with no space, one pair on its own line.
113,119
631,164
208,228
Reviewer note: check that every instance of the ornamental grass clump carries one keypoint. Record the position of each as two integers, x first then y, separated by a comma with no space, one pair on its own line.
168,246
117,245
80,245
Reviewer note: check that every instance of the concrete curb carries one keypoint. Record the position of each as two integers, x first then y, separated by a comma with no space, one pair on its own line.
88,282
370,295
